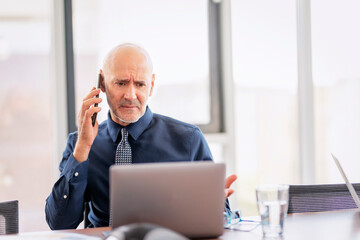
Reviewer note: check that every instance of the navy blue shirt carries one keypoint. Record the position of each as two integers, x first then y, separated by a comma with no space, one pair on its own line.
153,138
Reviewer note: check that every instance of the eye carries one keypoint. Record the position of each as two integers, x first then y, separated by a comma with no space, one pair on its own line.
140,84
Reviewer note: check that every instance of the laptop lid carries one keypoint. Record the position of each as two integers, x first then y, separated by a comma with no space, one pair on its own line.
348,184
185,197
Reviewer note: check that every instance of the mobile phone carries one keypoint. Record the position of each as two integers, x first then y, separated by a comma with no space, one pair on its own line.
93,118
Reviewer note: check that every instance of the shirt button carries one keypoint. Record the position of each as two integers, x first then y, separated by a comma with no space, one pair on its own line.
76,174
65,196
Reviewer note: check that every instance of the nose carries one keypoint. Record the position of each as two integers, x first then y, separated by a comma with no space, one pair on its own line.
130,93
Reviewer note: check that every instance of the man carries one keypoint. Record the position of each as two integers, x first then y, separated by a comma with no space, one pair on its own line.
131,134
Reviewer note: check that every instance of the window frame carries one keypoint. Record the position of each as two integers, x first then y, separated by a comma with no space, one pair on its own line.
216,123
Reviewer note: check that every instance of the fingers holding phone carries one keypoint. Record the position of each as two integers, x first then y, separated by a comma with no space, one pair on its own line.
87,125
88,102
93,118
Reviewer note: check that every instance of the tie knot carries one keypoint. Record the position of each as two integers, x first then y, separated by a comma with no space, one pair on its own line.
124,134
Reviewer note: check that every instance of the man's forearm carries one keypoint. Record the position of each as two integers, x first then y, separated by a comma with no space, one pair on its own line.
81,152
64,206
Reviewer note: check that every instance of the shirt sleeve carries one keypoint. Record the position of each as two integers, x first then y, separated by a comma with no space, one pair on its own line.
65,205
199,149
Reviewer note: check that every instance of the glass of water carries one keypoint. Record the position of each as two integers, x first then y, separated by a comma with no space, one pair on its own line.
272,202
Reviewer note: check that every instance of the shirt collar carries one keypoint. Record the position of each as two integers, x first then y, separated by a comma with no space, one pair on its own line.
135,129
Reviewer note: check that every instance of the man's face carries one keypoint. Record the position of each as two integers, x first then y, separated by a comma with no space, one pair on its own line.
128,84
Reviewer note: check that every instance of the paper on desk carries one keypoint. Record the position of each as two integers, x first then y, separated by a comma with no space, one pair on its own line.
49,235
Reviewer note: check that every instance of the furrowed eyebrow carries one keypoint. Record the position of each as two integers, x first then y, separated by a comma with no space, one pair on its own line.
121,80
140,81
117,80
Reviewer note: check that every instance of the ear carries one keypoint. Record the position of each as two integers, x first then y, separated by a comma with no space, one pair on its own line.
152,84
102,81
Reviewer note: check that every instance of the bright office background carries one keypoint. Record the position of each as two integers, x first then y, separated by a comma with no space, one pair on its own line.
264,137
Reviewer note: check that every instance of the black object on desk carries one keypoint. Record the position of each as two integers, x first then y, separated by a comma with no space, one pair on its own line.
140,231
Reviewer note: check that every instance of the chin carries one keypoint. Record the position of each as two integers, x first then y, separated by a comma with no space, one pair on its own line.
132,120
126,116
128,119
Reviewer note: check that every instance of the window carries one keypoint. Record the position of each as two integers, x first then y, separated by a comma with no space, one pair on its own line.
265,75
26,166
336,75
175,33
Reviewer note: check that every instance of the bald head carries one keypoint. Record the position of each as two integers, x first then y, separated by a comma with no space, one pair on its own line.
128,82
127,54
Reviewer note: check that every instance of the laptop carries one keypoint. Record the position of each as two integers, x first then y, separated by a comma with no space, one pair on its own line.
187,197
348,184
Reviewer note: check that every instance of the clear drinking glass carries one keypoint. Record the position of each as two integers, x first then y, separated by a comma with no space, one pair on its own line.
272,202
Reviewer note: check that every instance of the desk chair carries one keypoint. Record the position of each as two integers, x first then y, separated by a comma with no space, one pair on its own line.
319,198
9,217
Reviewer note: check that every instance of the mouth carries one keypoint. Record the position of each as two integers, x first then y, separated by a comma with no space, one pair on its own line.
129,107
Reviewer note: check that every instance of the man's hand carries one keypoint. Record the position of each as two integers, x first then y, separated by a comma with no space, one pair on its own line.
86,132
229,180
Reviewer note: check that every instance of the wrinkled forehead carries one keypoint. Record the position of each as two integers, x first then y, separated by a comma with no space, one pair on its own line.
130,58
